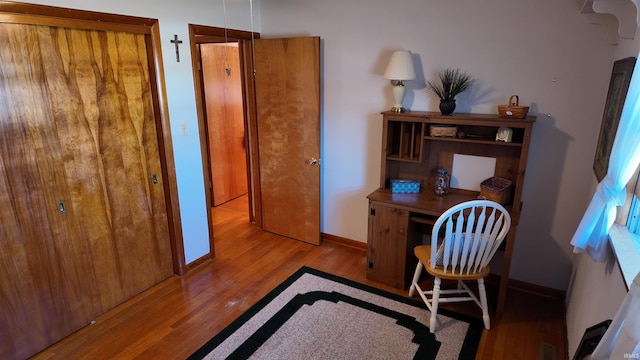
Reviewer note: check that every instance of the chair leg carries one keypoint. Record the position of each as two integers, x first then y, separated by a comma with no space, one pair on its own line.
483,302
435,298
416,278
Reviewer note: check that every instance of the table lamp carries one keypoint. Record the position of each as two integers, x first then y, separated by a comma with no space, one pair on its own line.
400,68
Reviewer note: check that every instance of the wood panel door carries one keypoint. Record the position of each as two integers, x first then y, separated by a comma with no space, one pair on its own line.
225,120
84,222
288,115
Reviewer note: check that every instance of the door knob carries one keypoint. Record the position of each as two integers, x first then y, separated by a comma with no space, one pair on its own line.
312,161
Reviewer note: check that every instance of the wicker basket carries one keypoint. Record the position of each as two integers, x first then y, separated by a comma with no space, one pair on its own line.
443,130
513,110
496,189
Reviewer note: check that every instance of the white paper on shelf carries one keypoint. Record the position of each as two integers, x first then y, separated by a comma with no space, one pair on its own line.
468,171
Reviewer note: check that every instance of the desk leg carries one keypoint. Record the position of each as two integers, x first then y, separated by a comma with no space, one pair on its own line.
506,266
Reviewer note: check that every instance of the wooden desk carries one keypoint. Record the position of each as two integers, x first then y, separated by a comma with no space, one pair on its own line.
398,222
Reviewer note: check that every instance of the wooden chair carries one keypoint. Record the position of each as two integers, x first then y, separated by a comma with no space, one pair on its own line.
461,250
622,338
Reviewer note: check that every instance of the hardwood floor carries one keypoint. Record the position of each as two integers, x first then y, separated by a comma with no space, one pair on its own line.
174,318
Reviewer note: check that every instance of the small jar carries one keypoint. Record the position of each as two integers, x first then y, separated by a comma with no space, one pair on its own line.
441,182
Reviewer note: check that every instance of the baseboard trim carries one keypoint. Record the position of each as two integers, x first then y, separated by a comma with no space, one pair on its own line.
513,284
198,261
529,288
344,241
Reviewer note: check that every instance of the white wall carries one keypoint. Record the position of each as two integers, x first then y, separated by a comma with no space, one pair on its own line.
544,51
174,18
596,292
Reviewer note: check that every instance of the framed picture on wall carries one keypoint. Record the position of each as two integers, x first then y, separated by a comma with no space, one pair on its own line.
618,86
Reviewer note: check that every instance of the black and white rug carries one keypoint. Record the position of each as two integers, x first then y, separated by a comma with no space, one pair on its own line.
316,315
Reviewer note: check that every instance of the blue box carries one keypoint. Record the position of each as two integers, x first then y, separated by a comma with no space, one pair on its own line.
405,186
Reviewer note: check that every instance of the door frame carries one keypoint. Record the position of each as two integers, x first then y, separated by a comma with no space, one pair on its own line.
200,34
31,14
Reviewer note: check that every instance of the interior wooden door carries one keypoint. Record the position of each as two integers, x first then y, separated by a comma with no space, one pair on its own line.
84,222
288,120
225,120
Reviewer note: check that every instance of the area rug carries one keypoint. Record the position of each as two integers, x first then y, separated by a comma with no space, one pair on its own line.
316,315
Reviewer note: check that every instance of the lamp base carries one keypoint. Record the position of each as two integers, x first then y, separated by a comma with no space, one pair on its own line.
398,96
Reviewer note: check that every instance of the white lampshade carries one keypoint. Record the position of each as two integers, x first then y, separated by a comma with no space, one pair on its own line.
400,67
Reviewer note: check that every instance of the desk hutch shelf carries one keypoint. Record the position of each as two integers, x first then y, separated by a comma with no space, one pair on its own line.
399,222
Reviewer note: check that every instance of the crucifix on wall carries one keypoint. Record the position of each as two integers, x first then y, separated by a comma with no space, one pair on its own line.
177,42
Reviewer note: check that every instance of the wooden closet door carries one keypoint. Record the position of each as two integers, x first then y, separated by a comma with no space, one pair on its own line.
83,224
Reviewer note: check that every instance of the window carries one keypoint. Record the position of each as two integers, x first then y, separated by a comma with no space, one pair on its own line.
633,220
594,230
625,233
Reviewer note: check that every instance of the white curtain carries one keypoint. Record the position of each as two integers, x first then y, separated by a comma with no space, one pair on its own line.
592,235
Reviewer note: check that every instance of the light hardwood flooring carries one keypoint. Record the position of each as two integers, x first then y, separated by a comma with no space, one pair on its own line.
174,318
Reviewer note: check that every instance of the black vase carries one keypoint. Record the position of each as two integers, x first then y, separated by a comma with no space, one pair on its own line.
447,106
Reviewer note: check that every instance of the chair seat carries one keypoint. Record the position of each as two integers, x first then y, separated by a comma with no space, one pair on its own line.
423,253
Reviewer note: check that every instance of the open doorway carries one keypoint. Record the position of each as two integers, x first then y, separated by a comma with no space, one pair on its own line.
226,133
223,89
280,79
